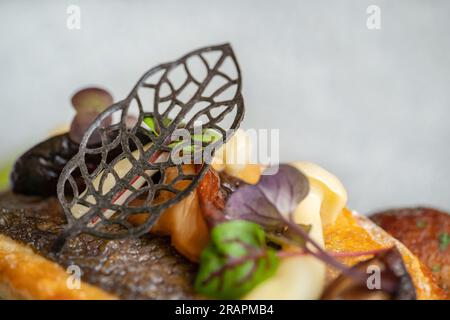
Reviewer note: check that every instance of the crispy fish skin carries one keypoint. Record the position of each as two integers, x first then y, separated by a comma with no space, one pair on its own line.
420,230
144,268
148,267
25,274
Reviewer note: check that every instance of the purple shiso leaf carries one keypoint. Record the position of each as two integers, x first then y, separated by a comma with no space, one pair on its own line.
272,203
272,200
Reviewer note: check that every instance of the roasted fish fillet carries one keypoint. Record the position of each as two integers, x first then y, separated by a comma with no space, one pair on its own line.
425,232
135,268
143,268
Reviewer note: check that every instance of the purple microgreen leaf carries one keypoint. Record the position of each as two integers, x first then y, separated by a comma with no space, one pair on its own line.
271,201
89,103
131,121
92,99
80,124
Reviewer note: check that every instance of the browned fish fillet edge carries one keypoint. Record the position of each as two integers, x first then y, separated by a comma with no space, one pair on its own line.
24,274
426,289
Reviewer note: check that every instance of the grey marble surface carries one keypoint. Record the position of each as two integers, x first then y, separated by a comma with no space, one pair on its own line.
372,106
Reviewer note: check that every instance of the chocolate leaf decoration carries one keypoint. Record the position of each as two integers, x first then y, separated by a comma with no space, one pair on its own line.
235,261
271,201
203,86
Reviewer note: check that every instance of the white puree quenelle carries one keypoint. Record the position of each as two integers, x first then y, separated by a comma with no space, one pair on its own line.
300,277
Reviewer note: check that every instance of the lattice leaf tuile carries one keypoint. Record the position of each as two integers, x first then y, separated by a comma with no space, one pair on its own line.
204,86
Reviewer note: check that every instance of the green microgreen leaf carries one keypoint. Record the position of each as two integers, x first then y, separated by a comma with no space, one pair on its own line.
197,141
421,224
235,261
436,268
207,136
5,172
444,241
150,122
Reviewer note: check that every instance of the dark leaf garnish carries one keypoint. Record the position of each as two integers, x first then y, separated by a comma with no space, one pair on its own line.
80,124
235,261
36,171
89,103
160,95
92,99
386,278
271,201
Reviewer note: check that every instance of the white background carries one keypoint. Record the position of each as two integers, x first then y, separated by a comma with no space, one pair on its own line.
371,106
